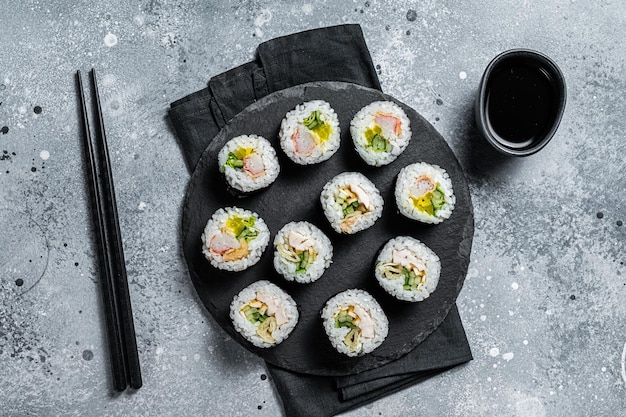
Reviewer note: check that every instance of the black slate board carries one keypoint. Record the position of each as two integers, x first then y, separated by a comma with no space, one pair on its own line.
295,196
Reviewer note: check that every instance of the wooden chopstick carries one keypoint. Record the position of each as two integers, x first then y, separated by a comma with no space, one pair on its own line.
117,305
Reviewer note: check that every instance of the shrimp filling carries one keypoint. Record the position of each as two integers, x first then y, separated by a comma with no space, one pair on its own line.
231,242
427,196
312,132
248,160
378,136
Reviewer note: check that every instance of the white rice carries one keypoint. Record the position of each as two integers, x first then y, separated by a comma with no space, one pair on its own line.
420,257
365,121
286,260
241,179
256,245
248,329
334,211
337,335
407,192
294,121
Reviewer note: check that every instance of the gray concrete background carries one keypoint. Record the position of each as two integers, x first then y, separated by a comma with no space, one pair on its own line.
544,300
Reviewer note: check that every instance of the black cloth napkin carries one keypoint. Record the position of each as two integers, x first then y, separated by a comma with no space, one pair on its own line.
337,53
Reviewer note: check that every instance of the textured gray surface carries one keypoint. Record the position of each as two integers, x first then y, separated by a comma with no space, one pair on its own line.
543,302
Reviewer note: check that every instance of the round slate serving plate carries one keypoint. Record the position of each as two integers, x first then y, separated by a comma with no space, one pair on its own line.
295,196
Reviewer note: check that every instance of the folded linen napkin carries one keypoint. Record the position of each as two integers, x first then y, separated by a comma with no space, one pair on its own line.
337,53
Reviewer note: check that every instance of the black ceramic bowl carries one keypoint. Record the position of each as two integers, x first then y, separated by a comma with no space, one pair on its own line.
520,102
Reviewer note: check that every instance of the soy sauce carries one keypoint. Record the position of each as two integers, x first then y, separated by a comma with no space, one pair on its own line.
521,103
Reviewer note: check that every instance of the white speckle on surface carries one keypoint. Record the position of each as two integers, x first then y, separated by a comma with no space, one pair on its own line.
22,109
493,352
159,351
472,272
183,358
142,206
108,80
139,20
529,407
603,369
264,17
307,9
488,277
44,155
168,39
508,356
110,40
483,318
515,285
511,313
525,342
462,75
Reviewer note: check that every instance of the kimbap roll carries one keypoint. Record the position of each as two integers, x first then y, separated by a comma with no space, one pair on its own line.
351,202
302,252
407,269
248,163
354,322
310,133
424,193
380,131
234,239
264,314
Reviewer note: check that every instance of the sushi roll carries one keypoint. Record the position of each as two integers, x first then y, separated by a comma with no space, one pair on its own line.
234,239
407,269
424,193
380,131
248,163
354,322
310,133
351,202
264,314
302,252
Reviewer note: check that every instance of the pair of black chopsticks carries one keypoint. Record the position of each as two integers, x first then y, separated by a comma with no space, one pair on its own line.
117,307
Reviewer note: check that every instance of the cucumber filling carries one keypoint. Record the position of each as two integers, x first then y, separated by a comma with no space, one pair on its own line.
375,140
242,228
431,202
235,158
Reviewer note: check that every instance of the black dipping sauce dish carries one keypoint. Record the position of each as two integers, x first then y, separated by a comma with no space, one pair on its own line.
520,101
